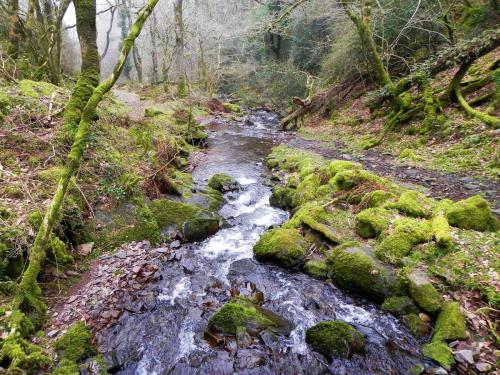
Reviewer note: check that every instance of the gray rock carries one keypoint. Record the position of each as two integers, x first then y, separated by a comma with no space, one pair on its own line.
483,367
465,356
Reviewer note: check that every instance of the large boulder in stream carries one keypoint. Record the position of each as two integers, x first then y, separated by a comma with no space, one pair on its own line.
223,182
242,314
335,339
283,247
355,268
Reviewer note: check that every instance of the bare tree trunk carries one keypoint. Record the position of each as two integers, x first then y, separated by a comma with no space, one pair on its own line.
108,32
182,89
154,54
135,53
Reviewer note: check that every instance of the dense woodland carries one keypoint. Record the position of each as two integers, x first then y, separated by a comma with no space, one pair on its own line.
385,162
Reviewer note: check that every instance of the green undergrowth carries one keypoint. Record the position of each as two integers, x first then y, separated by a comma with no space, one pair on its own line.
381,240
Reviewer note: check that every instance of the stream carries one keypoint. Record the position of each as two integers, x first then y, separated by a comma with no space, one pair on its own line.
169,339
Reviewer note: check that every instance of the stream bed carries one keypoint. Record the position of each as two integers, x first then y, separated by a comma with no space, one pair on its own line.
200,278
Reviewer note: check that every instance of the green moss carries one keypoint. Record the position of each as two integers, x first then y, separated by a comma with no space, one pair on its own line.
18,322
317,269
169,213
242,313
36,89
409,154
222,182
232,107
126,223
284,247
283,197
450,324
76,343
295,160
349,179
376,198
399,305
272,163
153,112
56,250
423,292
336,226
439,352
203,225
472,213
11,191
400,240
441,231
353,268
18,353
66,367
413,203
335,339
416,326
372,221
337,166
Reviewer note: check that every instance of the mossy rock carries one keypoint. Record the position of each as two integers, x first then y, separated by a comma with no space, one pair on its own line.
417,326
272,163
243,314
197,137
351,178
439,352
283,197
170,214
36,89
472,213
317,269
307,189
376,198
335,339
441,231
208,199
372,221
153,112
400,240
125,223
223,182
232,107
76,343
294,160
353,268
200,227
423,292
336,226
413,203
284,247
337,166
399,306
450,324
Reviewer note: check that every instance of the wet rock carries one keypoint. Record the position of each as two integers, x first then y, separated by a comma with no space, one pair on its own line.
269,339
335,339
175,244
400,305
450,324
200,227
243,339
248,359
188,265
223,182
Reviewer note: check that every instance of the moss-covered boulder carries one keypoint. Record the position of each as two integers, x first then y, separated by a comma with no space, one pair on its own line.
441,231
416,325
439,352
413,203
243,314
348,179
283,197
171,214
317,269
372,221
232,107
272,163
36,89
223,182
207,198
399,305
335,339
403,235
200,227
125,223
337,166
376,198
307,189
354,268
336,225
472,213
423,292
450,324
281,246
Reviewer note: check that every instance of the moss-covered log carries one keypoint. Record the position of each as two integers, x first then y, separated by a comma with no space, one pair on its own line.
28,296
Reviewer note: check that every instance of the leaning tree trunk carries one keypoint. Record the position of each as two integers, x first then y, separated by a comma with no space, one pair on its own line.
90,71
29,291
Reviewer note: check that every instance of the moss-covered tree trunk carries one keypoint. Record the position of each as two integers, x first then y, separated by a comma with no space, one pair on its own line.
182,89
28,294
89,76
14,29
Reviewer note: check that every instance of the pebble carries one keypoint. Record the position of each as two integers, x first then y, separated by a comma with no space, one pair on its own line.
465,356
483,367
175,244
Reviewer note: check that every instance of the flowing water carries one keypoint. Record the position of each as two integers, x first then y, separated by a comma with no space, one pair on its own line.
169,339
